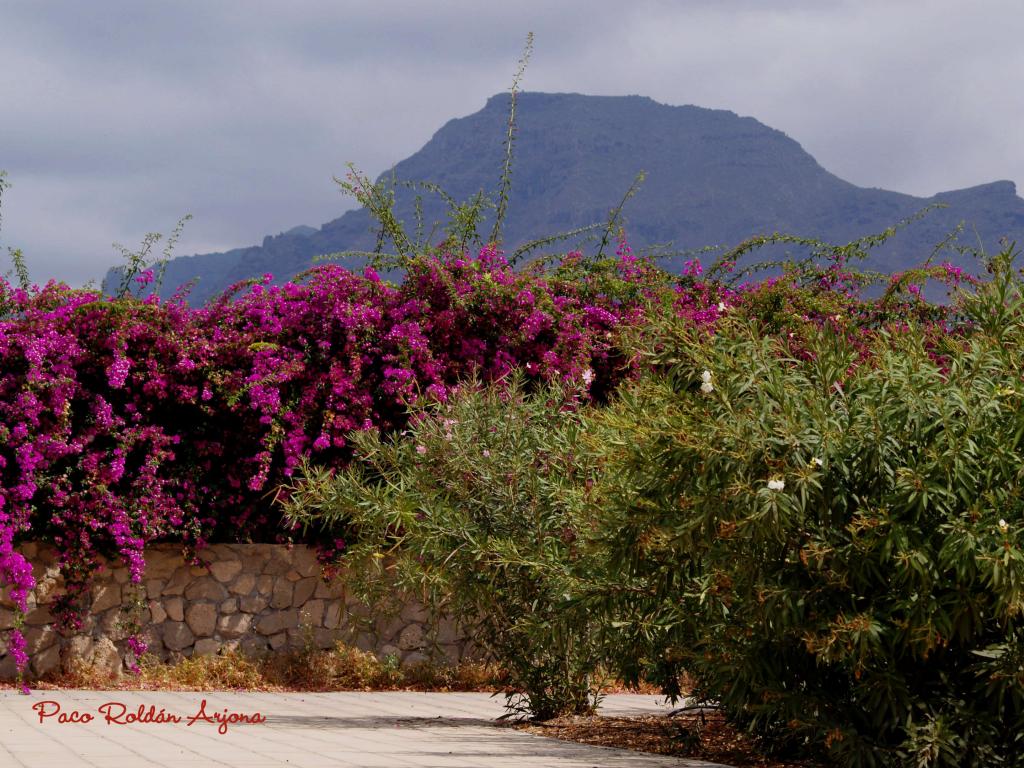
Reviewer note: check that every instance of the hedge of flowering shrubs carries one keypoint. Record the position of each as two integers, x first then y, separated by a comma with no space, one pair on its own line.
127,421
806,505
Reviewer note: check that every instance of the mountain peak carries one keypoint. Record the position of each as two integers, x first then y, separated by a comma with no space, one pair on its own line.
713,178
1000,188
500,100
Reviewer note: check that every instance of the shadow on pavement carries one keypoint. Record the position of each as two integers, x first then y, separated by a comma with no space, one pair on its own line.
325,722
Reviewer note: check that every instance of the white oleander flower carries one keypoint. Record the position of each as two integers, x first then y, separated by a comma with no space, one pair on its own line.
588,376
722,307
816,462
1003,526
707,387
706,377
776,485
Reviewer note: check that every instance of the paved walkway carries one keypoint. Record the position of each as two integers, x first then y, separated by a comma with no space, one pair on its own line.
302,730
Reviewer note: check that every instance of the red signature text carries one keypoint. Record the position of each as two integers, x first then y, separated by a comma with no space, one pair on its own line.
118,713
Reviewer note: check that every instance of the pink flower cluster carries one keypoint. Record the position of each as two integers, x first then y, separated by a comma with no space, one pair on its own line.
123,422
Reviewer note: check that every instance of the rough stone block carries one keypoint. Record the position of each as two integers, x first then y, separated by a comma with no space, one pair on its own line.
365,641
229,606
77,651
329,589
225,570
390,628
243,585
105,657
414,657
175,608
38,639
282,596
447,631
205,588
411,638
265,585
104,596
326,638
277,622
312,613
156,612
451,654
235,625
88,625
178,581
154,641
161,565
304,590
111,624
8,669
46,660
413,612
177,635
206,647
201,619
40,615
333,614
49,586
279,562
253,645
299,639
278,641
252,604
254,562
304,561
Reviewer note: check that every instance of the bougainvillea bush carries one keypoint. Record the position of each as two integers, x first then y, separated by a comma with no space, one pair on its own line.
125,421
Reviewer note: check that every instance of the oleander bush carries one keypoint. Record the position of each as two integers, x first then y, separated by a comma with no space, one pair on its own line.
480,508
824,530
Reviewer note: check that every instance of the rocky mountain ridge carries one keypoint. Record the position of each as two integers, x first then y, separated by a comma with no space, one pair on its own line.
713,178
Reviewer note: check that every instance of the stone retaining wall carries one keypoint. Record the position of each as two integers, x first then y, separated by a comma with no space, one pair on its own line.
257,598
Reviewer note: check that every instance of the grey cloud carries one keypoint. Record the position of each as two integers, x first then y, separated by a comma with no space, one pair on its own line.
118,117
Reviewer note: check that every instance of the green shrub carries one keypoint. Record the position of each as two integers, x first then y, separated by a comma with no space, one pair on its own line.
829,543
479,508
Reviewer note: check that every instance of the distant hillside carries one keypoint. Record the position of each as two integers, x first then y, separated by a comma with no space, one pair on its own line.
713,178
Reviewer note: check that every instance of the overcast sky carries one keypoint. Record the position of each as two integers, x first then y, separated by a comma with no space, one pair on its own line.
118,117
